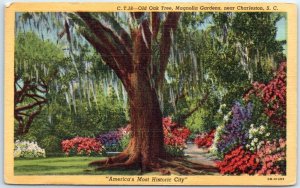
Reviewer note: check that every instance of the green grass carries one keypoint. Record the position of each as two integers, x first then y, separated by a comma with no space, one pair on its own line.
63,166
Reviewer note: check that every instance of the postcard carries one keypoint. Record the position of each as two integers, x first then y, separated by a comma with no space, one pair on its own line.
150,93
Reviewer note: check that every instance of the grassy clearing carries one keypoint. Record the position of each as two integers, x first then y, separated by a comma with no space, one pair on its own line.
63,166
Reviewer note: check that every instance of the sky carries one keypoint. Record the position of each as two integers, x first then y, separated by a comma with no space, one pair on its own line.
281,29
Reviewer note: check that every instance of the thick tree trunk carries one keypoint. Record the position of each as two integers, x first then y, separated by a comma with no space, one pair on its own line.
146,146
147,142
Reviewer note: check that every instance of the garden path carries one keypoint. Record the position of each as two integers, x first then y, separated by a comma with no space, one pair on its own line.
198,155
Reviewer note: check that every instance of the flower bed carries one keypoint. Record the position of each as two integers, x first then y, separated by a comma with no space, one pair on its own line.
255,142
113,140
272,157
205,139
82,146
239,161
273,96
175,137
26,149
233,132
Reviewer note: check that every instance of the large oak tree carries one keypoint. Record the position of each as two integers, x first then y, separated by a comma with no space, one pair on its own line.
139,58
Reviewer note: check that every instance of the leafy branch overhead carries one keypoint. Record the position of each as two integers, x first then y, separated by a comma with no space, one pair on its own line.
117,45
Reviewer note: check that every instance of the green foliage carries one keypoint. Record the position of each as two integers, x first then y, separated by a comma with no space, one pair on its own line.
36,58
57,122
125,141
230,50
51,143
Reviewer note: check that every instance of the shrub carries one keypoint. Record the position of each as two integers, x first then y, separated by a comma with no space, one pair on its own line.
175,134
26,149
51,144
110,140
258,135
125,140
239,161
233,132
82,146
205,139
175,137
272,156
273,96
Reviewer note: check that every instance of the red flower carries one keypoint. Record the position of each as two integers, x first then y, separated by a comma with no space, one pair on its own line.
205,140
81,145
237,162
273,95
174,134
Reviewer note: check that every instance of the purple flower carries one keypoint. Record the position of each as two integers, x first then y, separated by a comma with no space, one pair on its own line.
234,133
109,139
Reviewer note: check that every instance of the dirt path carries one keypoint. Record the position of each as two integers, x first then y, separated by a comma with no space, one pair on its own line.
198,155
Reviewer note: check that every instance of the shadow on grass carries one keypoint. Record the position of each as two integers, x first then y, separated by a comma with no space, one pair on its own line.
68,170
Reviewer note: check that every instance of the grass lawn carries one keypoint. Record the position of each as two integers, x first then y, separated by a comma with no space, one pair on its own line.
63,166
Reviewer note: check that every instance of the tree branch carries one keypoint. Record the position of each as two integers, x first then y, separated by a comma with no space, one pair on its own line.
199,104
30,106
109,60
165,43
142,46
155,22
108,42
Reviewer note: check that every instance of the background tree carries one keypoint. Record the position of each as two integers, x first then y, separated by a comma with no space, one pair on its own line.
36,65
233,55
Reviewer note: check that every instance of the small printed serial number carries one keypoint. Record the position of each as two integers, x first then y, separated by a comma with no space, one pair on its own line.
275,179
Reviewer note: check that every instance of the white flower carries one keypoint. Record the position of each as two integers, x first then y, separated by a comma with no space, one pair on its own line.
28,149
268,134
262,128
261,132
258,146
255,140
247,146
252,125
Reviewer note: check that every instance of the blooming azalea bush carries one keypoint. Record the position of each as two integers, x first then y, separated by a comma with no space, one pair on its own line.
273,96
257,144
205,139
82,146
175,136
239,161
26,149
257,136
272,156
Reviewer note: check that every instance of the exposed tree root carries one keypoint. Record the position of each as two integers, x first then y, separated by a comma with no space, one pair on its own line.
125,165
122,157
180,166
